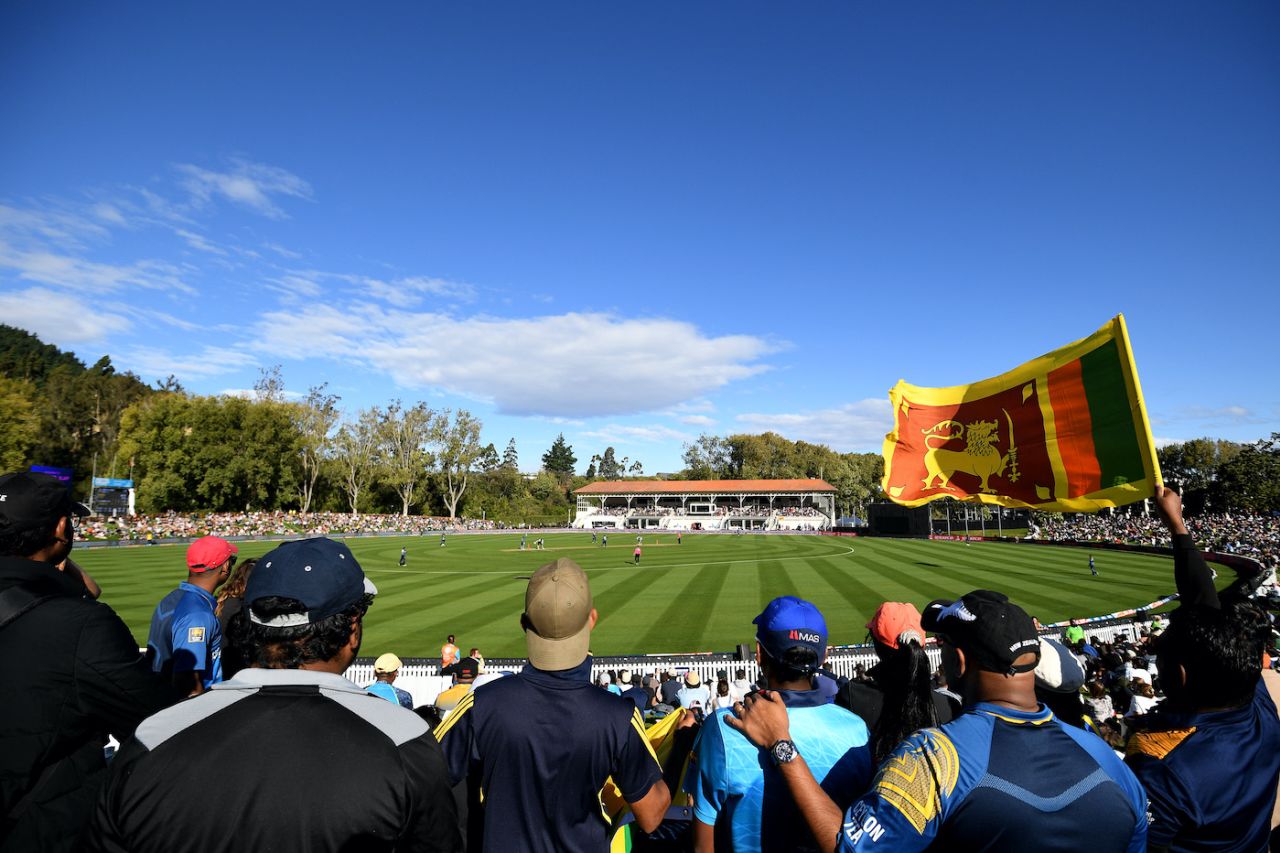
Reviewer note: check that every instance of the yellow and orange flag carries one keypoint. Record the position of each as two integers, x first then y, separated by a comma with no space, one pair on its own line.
1066,432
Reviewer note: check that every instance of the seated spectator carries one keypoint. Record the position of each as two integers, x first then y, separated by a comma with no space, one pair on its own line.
1059,677
722,698
1142,700
632,691
385,670
464,674
1209,757
978,782
1099,703
694,695
899,697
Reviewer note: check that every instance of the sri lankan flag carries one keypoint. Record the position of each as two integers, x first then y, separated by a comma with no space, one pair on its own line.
1067,432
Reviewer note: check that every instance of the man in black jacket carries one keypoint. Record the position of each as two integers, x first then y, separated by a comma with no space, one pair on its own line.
71,671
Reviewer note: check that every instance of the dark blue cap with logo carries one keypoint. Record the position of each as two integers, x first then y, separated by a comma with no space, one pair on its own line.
789,622
30,500
321,574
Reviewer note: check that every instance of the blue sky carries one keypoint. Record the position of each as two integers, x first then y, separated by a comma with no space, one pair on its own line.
636,222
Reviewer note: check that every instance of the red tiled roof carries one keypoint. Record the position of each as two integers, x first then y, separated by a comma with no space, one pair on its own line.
686,487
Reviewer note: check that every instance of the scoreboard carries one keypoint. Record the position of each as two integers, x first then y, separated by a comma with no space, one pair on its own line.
112,497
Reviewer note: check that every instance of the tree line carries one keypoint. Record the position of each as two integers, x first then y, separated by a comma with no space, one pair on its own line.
264,451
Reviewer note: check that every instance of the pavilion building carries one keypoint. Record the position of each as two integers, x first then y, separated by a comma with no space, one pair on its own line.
706,505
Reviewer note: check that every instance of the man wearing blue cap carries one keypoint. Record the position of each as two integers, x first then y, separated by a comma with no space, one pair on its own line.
740,800
300,756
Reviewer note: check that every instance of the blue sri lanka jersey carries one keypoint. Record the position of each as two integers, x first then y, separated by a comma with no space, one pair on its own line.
995,779
738,790
1211,777
185,635
391,693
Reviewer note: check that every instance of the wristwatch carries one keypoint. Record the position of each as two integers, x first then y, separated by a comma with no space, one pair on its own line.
783,752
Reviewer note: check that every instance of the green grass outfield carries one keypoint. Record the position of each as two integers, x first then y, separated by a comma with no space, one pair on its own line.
698,596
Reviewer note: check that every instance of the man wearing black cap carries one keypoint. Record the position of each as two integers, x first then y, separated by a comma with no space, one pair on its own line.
288,754
1004,776
70,668
546,739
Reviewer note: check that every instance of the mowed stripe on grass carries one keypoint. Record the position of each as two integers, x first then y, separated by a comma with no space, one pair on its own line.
698,596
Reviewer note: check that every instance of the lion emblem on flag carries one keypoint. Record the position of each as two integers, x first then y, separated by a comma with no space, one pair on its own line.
980,457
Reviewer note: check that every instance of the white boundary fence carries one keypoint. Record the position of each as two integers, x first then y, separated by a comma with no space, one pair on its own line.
423,680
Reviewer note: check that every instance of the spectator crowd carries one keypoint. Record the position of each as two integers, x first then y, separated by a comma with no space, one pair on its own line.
1253,536
241,524
238,729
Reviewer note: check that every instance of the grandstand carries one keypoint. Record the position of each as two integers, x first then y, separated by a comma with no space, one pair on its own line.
706,505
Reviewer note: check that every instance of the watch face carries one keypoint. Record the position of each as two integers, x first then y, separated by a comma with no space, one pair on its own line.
784,751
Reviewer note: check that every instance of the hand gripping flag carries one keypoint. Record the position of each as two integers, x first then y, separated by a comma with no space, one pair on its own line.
1067,432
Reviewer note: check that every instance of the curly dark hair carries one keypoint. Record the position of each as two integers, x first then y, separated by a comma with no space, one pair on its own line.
266,647
24,543
1221,650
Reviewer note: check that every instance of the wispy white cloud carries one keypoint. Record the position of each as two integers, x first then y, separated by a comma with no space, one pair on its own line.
568,365
853,427
199,241
1165,442
1232,414
626,434
44,225
61,318
294,287
697,420
210,360
282,251
251,185
401,292
75,273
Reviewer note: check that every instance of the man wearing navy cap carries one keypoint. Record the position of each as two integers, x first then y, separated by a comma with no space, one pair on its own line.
1004,776
185,640
740,800
293,754
70,668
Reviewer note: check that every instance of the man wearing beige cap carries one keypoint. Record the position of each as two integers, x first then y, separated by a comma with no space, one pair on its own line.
185,640
385,670
546,740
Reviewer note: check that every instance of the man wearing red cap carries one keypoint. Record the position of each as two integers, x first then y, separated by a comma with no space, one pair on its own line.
185,641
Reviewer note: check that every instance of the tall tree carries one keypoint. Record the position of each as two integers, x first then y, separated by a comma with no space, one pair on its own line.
707,458
511,459
458,448
19,423
489,460
607,464
404,436
315,418
356,449
559,460
270,384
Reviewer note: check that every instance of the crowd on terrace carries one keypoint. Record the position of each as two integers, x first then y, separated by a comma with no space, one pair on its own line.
1254,536
240,524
